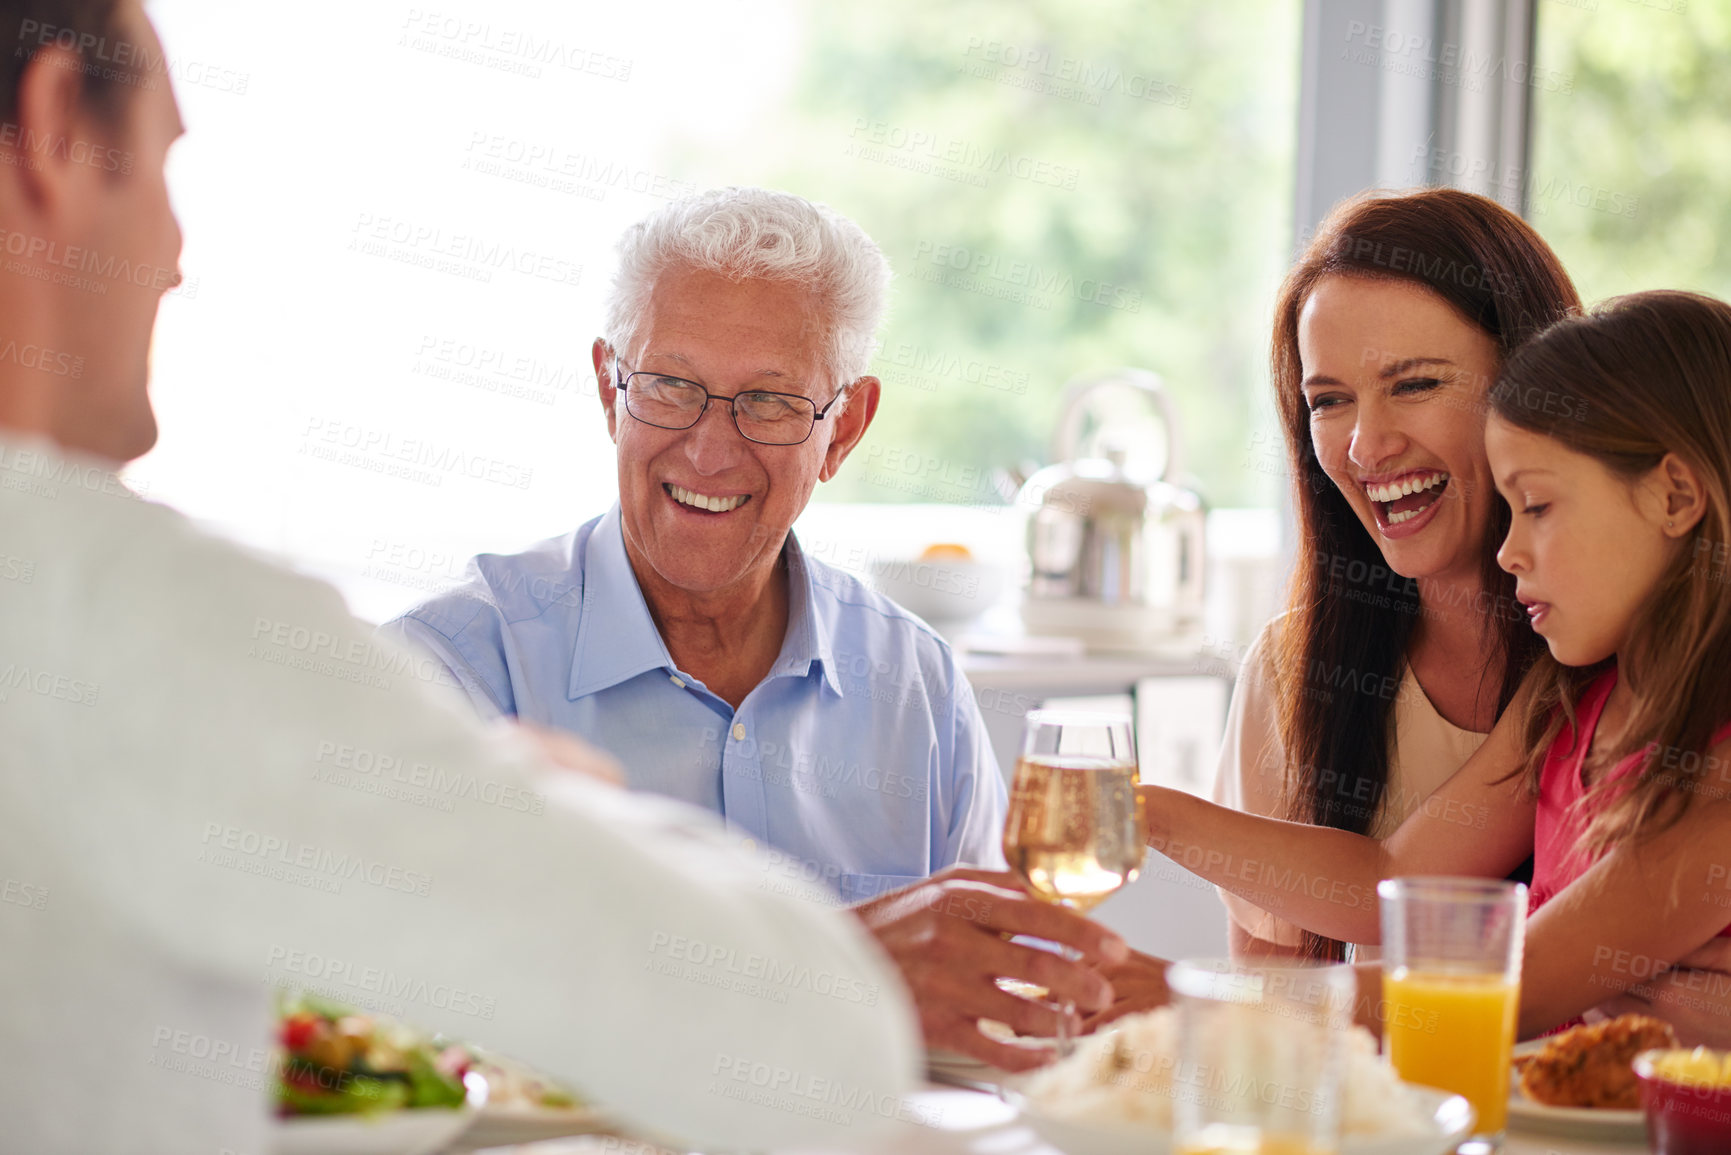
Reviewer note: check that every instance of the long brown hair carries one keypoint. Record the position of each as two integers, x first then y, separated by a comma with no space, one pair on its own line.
1492,268
1643,376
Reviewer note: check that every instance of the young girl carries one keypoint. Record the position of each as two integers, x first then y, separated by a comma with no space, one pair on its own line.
1610,438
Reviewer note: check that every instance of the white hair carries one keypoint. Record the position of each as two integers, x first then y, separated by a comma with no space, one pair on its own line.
745,233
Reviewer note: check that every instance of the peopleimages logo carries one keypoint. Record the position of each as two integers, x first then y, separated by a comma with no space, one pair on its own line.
755,975
1023,282
315,967
466,254
128,61
413,458
506,49
370,771
43,475
87,261
342,655
234,846
800,1093
46,683
38,146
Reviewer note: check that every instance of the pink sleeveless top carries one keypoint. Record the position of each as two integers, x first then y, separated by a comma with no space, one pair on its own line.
1559,826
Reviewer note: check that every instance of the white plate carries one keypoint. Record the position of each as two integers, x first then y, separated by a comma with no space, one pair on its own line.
412,1131
1569,1122
477,1124
1449,1118
509,1126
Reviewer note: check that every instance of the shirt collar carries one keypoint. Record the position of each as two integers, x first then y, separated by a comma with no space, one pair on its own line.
809,634
617,639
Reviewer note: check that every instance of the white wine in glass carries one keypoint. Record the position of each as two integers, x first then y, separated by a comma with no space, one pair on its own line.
1072,832
1074,828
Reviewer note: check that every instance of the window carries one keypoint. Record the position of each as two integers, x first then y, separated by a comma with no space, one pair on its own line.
400,225
1631,159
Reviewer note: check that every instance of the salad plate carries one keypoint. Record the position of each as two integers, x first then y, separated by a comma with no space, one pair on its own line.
350,1082
508,1126
419,1131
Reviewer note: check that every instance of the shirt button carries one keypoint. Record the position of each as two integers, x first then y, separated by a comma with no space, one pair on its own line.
678,681
739,731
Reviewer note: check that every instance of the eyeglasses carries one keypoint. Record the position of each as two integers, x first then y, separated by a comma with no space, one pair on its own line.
675,403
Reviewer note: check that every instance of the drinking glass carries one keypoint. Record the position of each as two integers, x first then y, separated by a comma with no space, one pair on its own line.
1074,828
1261,1057
1451,987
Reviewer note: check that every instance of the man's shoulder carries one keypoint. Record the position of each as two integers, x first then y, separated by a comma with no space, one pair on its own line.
861,616
116,577
504,589
89,534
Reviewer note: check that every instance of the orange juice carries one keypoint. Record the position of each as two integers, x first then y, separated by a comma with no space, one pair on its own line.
1456,1032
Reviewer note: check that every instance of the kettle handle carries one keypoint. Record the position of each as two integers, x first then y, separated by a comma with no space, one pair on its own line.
1069,430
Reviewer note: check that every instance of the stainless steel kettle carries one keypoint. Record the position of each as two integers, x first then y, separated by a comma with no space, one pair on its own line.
1117,558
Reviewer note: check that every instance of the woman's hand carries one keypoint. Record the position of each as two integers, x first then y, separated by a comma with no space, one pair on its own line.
1138,984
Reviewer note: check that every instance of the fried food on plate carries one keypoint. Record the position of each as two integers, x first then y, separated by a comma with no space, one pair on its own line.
1588,1066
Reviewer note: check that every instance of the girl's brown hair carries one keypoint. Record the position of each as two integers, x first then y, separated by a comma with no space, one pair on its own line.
1640,377
1493,269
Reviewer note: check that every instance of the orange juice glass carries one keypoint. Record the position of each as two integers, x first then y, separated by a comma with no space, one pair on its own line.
1451,987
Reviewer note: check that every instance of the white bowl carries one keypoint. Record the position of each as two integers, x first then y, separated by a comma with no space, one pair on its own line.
1446,1120
939,591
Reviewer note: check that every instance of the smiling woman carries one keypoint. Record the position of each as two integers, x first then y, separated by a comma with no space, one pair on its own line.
1397,433
1402,642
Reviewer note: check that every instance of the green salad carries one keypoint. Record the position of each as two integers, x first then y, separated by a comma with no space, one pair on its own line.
335,1060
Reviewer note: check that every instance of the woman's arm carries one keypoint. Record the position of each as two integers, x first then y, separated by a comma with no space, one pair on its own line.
1325,879
1692,996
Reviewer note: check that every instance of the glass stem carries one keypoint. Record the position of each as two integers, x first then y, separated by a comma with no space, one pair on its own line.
1066,1008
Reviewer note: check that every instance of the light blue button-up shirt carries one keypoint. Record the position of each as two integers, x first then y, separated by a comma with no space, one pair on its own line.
861,761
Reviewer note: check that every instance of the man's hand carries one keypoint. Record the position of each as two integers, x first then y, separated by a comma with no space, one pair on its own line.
1138,984
949,937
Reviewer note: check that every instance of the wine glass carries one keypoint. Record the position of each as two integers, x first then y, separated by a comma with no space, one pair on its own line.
1074,828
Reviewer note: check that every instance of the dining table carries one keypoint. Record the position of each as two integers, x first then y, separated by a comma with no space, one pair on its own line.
962,1121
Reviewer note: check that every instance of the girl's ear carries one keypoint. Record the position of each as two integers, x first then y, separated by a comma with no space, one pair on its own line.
1682,499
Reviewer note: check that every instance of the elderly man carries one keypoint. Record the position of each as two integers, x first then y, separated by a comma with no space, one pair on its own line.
685,632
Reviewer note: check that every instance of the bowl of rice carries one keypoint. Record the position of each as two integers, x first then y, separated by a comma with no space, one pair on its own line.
1115,1094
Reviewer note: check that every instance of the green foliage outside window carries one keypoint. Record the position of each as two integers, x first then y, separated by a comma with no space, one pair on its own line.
1061,188
1631,172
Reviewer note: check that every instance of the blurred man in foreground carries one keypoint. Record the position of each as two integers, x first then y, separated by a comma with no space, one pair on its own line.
166,842
167,838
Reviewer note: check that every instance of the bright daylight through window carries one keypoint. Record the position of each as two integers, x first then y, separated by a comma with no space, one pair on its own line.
1061,189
